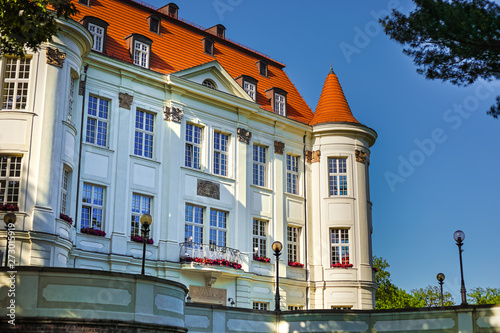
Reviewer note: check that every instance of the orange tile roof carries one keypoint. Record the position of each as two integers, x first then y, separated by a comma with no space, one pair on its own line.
179,46
332,106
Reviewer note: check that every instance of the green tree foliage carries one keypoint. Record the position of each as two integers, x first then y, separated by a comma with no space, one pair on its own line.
25,24
430,296
451,40
388,295
484,296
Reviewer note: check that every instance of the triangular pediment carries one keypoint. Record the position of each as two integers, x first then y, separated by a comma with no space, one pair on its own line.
214,72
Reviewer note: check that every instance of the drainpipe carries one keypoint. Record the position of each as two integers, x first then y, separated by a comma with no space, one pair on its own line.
81,92
305,222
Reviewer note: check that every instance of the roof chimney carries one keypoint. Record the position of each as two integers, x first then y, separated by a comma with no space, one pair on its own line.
171,10
218,30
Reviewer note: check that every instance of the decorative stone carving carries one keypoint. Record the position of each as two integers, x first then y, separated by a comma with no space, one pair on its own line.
279,147
313,156
208,295
208,189
172,114
360,156
244,135
55,57
125,100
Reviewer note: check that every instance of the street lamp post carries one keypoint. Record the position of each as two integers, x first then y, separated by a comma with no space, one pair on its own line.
8,219
277,247
440,278
146,220
459,236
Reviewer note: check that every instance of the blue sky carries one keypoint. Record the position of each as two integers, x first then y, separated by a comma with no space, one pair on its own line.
434,167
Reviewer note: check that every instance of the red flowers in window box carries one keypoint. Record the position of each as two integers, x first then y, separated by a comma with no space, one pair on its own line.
139,239
214,262
9,207
295,264
263,259
93,231
341,265
66,218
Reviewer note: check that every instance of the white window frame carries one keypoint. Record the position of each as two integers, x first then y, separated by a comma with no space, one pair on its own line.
295,307
293,243
292,174
194,223
65,184
144,134
193,146
251,89
95,205
259,165
221,153
339,246
93,137
15,83
10,178
141,54
71,97
260,306
141,204
337,176
218,227
279,104
97,33
259,240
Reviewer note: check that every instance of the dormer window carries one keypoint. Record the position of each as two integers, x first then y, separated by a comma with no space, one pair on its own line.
208,46
154,24
277,98
218,30
209,84
262,65
140,49
97,29
84,2
171,10
249,84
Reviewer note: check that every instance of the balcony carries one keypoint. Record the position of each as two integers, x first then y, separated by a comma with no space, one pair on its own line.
209,254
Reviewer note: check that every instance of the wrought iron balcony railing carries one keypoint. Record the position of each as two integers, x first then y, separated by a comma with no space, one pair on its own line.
190,251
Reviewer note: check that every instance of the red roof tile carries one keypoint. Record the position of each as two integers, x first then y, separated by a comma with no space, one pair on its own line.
332,105
179,46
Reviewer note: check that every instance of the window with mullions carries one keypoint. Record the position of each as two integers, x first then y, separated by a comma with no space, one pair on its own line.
250,88
15,80
193,146
293,243
221,142
141,54
218,227
10,177
140,205
280,104
71,98
193,231
340,246
260,237
97,33
143,142
64,190
260,306
337,176
97,121
259,165
92,207
292,174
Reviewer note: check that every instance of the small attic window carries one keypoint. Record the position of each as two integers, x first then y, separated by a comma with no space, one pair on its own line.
220,31
209,84
208,46
84,2
171,10
154,24
262,65
249,84
277,97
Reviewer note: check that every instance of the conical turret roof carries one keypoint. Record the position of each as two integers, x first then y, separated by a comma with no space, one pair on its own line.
332,106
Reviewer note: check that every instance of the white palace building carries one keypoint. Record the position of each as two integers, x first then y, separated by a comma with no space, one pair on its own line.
111,120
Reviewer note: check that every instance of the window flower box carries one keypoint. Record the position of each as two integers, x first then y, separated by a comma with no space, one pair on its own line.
9,207
139,239
93,231
263,259
295,264
343,265
214,262
66,218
